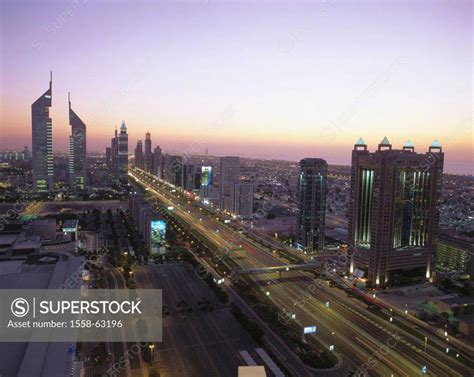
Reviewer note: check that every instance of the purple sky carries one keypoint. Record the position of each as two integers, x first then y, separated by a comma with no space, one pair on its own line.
270,79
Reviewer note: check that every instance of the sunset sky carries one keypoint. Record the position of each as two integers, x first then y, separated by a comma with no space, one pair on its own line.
270,79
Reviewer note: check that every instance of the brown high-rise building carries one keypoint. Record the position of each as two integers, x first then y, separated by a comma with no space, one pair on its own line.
394,211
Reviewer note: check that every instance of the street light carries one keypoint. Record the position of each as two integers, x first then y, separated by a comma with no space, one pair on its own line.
152,347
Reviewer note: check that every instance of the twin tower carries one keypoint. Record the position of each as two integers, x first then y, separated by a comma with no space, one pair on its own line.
42,145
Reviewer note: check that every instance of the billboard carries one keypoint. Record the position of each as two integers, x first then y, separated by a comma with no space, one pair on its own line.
309,330
157,236
206,175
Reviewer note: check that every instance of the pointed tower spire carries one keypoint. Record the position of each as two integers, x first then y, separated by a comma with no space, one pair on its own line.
408,146
360,145
69,99
435,146
436,143
385,141
385,144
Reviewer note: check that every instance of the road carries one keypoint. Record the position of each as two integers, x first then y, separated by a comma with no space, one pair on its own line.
203,343
359,335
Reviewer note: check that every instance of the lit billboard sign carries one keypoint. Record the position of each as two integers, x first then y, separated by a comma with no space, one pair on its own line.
206,175
157,235
309,330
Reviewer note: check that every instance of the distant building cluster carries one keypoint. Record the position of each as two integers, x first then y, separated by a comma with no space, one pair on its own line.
13,156
231,195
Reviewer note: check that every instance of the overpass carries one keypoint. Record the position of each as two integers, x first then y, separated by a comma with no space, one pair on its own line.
268,270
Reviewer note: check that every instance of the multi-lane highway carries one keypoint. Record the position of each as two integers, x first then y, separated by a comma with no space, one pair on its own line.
367,341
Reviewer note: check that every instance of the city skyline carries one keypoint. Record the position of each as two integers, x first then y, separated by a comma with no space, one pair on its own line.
234,188
338,91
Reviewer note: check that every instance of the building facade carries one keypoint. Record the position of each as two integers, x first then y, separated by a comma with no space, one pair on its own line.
394,211
77,151
455,257
312,191
42,141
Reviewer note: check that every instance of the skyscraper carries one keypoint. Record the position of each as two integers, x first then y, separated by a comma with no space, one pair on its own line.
243,199
191,177
42,141
229,176
173,169
108,157
148,163
139,159
394,211
157,161
77,151
123,153
114,154
312,189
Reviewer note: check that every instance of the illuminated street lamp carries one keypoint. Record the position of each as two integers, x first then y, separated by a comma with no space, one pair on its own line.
268,293
152,347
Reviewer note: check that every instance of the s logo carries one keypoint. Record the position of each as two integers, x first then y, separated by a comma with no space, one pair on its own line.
20,307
